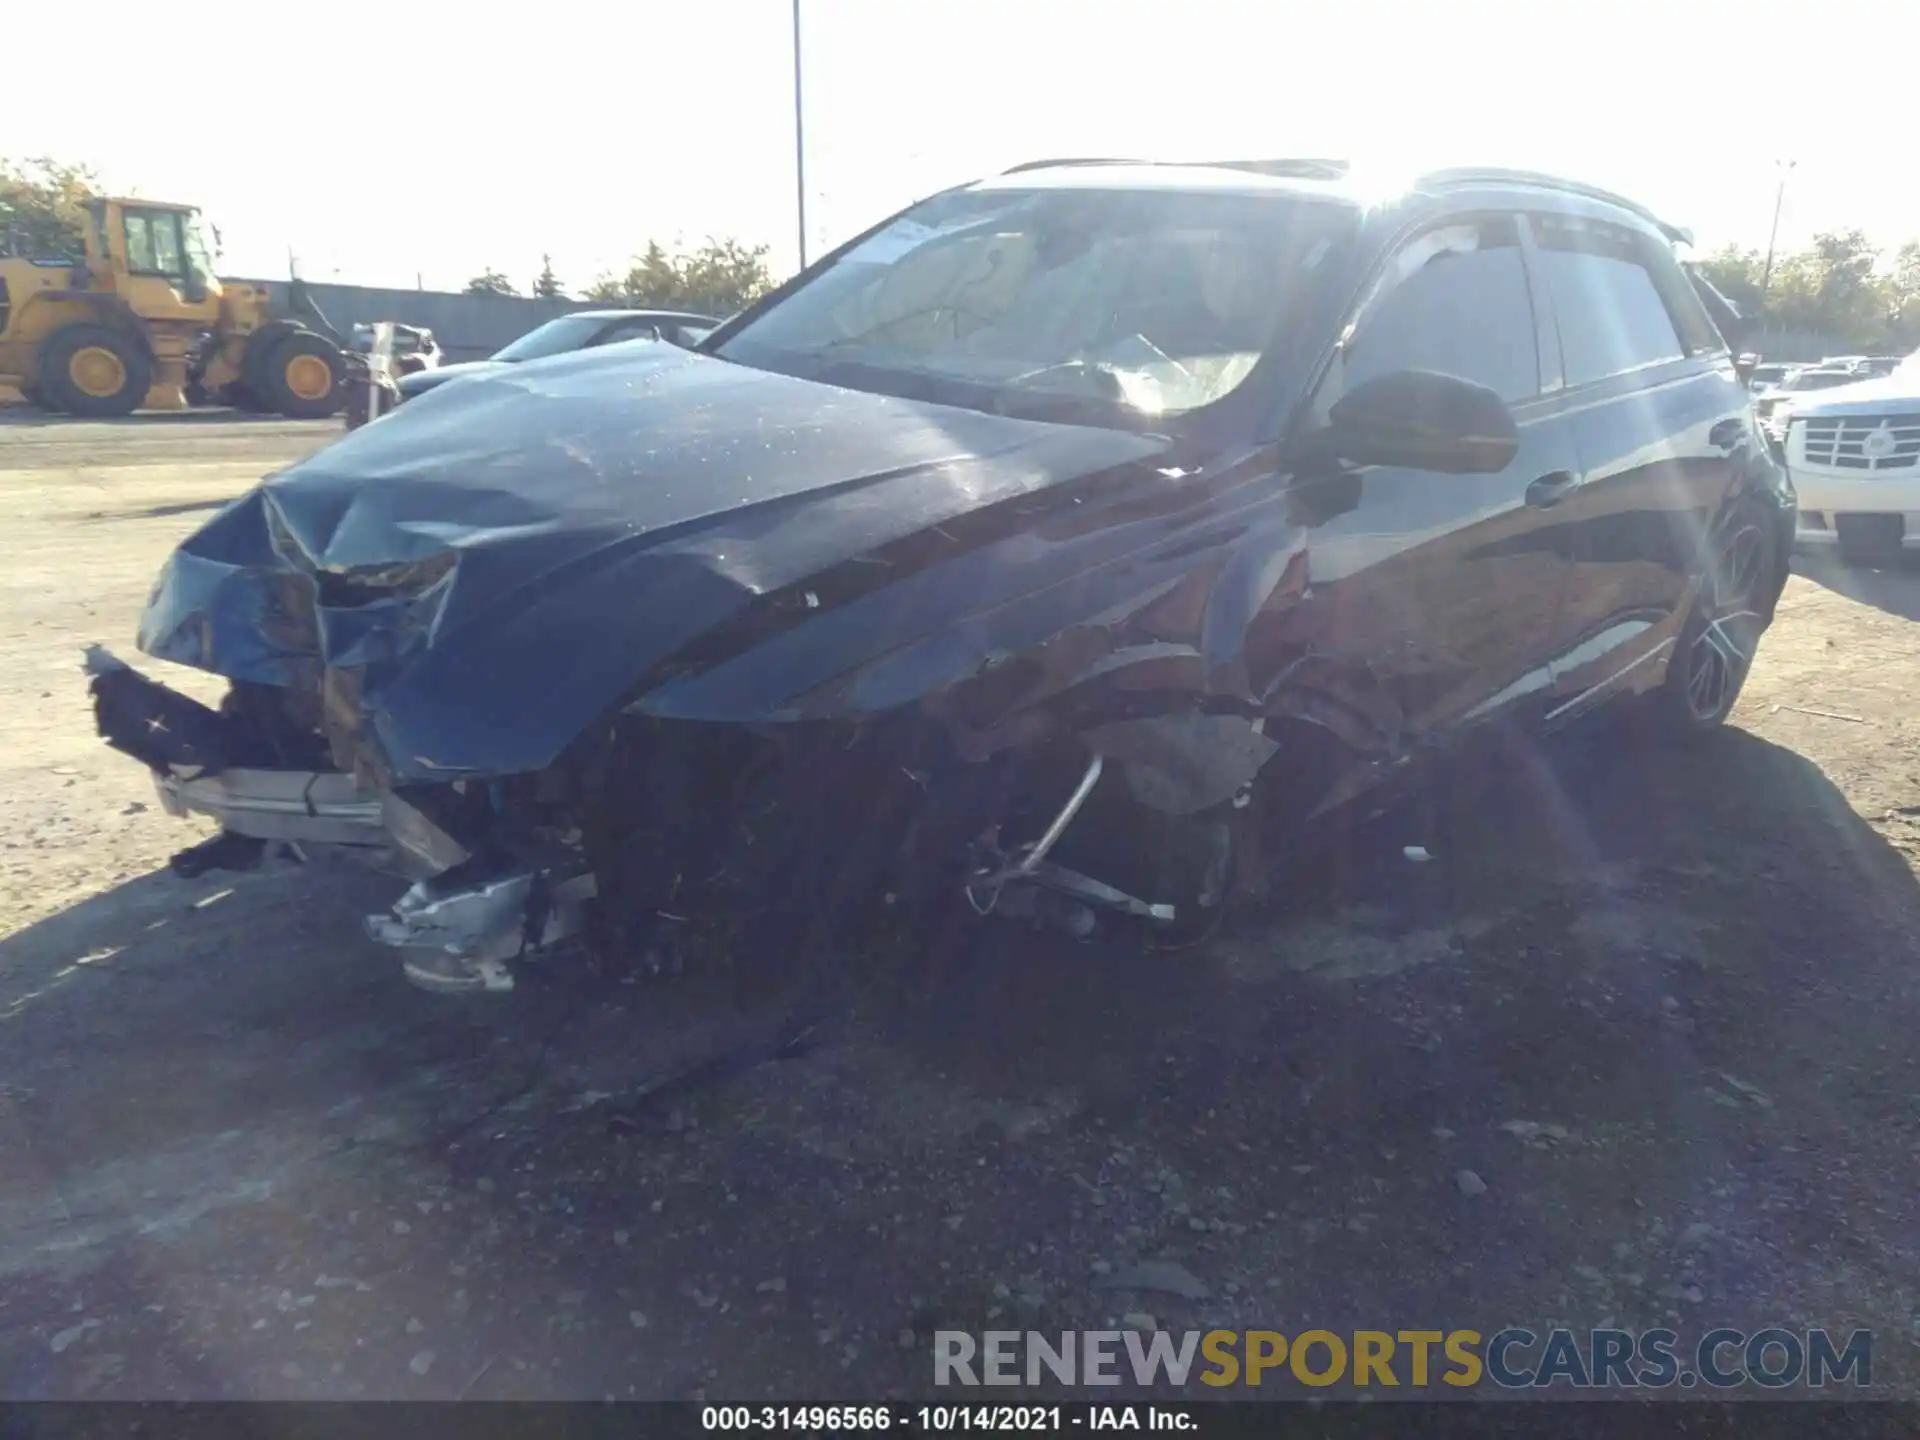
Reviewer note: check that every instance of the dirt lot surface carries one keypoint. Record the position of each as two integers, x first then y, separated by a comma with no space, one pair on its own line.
1637,1048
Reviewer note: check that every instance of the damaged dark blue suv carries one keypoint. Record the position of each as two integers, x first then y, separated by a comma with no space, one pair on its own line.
1035,551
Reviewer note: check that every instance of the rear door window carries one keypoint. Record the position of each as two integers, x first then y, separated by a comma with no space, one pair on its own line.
1612,315
1454,299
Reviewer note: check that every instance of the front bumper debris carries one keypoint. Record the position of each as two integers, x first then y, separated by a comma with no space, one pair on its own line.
457,938
304,806
457,925
315,808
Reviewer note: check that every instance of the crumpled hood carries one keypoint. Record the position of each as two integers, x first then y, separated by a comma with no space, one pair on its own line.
494,565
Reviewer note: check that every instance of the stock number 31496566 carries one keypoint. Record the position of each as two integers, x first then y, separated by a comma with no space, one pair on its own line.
796,1417
843,1418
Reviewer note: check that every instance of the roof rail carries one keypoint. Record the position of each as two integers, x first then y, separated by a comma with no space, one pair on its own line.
1286,169
1071,160
1302,169
1468,175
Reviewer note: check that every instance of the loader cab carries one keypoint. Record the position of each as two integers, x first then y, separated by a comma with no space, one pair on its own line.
157,256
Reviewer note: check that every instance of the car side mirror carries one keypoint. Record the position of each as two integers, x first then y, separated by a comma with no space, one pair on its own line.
1422,420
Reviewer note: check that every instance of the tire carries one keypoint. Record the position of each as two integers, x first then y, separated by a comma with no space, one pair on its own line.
1868,540
302,377
1714,653
252,383
93,371
30,393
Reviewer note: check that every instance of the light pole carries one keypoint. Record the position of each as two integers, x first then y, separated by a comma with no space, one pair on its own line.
1785,167
799,140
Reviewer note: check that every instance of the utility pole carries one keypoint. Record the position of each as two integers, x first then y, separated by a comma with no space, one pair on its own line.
1785,167
799,139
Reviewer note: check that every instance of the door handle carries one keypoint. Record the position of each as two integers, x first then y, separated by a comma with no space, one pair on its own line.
1551,489
1728,434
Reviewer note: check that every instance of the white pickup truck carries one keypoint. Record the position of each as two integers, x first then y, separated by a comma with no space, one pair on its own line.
1854,455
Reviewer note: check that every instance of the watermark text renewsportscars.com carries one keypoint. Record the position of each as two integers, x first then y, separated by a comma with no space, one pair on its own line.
1774,1358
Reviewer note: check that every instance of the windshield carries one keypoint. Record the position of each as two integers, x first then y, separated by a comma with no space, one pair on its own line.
556,337
1818,380
1133,304
199,254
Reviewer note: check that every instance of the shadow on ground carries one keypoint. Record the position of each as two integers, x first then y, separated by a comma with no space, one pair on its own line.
159,512
1656,1004
1887,585
27,417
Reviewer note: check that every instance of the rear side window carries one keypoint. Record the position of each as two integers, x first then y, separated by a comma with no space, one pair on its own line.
1454,300
1611,312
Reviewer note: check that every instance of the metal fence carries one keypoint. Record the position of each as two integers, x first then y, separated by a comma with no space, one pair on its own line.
468,327
1776,342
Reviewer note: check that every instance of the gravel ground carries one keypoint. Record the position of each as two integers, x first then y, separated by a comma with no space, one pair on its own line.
1637,1048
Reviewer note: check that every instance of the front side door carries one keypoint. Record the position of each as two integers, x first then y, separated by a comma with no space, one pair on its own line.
1447,587
1658,419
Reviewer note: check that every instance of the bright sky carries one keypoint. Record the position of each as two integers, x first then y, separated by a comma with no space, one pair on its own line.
432,139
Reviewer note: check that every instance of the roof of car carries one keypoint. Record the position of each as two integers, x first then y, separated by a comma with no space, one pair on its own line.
627,312
1332,179
1149,175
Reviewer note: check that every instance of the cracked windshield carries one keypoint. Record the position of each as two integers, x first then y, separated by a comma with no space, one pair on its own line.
1149,302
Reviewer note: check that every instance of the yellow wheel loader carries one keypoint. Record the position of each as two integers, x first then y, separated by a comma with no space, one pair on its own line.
141,322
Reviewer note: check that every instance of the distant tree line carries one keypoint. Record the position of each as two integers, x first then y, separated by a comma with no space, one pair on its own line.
41,215
716,277
1841,285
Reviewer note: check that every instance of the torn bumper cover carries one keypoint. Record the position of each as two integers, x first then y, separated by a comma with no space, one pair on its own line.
455,928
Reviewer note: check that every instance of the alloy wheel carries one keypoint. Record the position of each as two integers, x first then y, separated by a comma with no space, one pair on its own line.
1724,648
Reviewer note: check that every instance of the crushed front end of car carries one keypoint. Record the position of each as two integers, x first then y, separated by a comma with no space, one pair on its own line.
570,659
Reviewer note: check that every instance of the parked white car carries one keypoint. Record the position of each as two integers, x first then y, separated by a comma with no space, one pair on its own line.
1774,404
1854,455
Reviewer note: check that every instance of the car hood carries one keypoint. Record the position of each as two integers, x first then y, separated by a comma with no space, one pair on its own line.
1869,397
480,575
421,381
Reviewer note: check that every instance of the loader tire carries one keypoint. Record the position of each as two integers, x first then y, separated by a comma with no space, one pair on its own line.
93,371
303,377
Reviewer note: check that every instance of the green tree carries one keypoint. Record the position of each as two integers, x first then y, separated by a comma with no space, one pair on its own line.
1736,273
546,284
1839,286
1833,287
490,282
40,202
714,278
1903,298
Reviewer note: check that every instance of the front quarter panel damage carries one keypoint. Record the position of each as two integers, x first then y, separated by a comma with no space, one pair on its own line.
974,603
